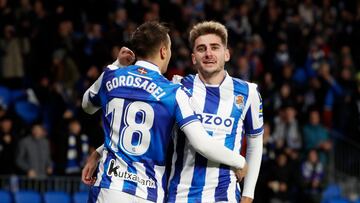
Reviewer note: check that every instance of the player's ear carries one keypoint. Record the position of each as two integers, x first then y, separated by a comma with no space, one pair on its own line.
227,55
193,58
163,52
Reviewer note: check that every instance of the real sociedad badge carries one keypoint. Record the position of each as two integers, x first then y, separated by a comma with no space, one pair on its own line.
239,101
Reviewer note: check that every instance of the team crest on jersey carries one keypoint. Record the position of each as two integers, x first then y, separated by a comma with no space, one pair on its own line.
239,101
142,71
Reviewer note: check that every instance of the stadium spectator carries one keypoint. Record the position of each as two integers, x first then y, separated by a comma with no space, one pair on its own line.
279,180
33,153
316,136
312,171
287,132
12,51
72,148
8,142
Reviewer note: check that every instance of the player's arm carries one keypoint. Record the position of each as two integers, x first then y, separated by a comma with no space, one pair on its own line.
253,159
90,166
210,148
90,102
91,98
253,124
199,138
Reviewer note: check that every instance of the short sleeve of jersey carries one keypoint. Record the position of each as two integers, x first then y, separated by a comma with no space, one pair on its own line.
253,122
93,94
100,83
184,114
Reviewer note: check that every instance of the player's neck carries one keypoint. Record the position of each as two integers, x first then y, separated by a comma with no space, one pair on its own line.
157,62
212,78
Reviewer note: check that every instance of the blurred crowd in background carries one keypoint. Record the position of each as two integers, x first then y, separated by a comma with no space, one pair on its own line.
303,54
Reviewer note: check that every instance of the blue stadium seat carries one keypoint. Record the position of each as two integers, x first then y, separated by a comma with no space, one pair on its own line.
80,197
27,111
333,191
5,196
339,200
24,196
5,96
56,197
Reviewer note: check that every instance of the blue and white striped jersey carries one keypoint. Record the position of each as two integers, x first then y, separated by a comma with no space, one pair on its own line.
227,111
140,107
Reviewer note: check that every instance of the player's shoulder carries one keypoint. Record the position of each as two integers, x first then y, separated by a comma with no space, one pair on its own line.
188,82
184,82
184,90
182,79
112,68
135,71
188,78
239,83
178,85
169,86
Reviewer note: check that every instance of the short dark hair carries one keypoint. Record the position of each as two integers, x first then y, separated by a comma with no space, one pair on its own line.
148,37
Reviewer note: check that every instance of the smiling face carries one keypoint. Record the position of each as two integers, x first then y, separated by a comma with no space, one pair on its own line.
209,55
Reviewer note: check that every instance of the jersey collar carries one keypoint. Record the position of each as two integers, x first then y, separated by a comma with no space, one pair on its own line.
226,80
148,65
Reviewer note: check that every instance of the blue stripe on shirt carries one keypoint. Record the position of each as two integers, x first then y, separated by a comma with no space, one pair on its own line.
187,120
105,179
178,166
249,130
255,132
152,192
129,186
212,101
221,190
93,194
95,99
198,179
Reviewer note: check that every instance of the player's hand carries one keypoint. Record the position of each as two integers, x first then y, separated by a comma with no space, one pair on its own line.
126,56
176,79
89,169
241,173
246,199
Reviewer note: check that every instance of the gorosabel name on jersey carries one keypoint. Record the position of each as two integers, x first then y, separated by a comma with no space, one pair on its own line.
137,81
